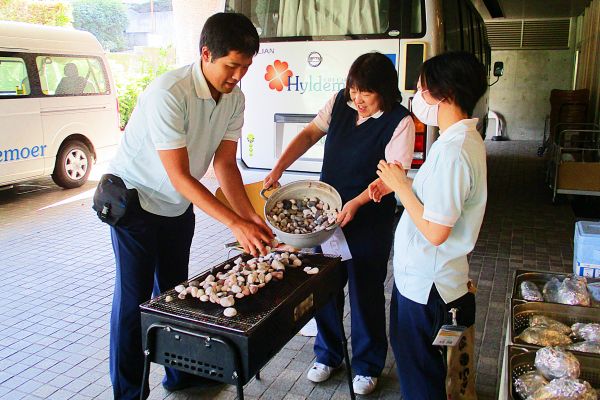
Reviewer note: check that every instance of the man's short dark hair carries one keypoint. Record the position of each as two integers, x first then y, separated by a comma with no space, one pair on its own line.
457,76
374,72
225,32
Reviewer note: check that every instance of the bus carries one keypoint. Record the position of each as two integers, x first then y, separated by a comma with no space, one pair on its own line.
307,47
59,111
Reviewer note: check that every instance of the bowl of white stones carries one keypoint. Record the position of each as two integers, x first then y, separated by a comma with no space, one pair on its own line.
303,214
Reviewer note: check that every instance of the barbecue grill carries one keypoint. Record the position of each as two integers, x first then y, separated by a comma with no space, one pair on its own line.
197,338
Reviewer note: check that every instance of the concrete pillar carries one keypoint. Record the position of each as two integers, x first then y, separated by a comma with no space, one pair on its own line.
189,17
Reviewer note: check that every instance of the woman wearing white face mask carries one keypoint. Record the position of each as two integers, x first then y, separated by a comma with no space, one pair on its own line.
444,209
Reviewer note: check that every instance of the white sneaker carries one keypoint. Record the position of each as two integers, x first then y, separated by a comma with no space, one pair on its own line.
319,372
364,384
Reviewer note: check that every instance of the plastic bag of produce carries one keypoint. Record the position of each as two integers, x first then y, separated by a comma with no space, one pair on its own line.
551,290
542,320
530,291
527,384
586,347
565,389
543,336
553,362
573,291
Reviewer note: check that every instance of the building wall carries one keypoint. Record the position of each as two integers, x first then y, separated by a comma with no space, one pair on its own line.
522,95
143,31
189,18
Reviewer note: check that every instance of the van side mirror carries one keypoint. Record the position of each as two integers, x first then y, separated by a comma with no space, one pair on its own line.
498,68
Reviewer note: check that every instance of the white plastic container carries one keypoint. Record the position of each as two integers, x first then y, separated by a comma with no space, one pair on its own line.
586,254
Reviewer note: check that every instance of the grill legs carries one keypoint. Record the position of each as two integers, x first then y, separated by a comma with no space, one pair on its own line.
346,356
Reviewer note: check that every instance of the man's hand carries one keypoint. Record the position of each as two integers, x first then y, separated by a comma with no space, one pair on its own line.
252,236
378,189
272,180
393,176
262,225
348,212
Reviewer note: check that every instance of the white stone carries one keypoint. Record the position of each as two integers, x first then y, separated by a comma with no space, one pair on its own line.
230,312
227,301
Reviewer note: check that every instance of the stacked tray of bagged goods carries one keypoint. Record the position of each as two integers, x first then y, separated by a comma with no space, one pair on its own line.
559,288
539,324
550,309
579,377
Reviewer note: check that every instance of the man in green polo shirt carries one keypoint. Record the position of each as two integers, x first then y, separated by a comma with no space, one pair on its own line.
182,120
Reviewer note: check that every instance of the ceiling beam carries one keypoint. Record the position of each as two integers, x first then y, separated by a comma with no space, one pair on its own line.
494,8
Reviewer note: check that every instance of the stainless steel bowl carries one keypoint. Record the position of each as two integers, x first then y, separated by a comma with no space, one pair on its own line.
301,189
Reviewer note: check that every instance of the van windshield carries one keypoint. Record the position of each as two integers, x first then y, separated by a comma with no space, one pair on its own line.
313,18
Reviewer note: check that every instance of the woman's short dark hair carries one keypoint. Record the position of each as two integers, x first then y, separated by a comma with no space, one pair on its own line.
225,32
374,72
457,76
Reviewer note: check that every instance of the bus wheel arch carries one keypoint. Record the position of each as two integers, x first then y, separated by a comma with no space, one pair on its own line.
74,161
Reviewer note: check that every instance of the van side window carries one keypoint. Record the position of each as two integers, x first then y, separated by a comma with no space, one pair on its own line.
13,77
71,75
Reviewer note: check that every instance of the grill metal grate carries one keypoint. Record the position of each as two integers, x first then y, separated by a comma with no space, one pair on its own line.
251,309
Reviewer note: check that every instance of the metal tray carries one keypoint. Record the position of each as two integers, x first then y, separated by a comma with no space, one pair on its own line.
521,359
568,315
540,278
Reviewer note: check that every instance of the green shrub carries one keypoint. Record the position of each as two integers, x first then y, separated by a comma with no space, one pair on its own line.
129,90
57,13
105,19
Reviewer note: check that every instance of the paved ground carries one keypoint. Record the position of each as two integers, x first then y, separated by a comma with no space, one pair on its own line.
57,277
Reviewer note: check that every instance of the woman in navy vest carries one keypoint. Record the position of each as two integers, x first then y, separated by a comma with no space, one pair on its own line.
364,123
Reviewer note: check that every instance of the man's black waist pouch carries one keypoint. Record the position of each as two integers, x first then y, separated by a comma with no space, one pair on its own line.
112,199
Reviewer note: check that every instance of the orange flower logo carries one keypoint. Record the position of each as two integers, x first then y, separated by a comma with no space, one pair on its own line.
278,75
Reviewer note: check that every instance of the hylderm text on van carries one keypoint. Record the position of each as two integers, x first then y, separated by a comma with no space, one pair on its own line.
22,154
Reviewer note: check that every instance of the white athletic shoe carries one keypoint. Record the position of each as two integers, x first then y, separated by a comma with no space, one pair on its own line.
319,372
364,384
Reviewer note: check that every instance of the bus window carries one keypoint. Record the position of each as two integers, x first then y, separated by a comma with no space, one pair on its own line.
283,20
465,21
476,39
69,76
452,26
279,18
13,77
415,12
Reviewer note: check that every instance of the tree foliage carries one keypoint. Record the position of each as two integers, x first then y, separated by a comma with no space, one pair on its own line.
45,13
129,90
105,19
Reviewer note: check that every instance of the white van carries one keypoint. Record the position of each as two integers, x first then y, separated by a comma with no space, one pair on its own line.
58,104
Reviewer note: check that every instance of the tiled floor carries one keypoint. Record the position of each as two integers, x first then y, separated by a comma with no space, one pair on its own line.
57,276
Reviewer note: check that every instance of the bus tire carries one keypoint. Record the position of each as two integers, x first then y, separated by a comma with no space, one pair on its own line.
73,165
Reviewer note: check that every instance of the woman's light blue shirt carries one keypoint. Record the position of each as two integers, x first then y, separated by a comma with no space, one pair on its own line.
452,186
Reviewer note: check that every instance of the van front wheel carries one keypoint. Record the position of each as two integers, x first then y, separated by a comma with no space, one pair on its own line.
73,165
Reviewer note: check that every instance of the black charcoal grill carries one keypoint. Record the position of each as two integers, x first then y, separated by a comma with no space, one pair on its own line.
197,338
